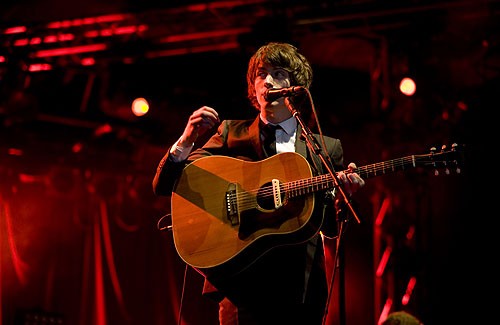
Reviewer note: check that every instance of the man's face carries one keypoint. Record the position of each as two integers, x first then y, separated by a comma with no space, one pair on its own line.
268,77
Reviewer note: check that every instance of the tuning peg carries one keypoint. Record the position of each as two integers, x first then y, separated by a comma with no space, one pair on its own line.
454,148
433,151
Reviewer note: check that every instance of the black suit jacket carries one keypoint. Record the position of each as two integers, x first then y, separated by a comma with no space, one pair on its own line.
292,274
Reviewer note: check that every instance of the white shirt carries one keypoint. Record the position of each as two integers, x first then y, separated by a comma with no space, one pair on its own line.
285,137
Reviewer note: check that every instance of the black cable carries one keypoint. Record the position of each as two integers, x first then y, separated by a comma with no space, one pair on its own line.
182,295
169,227
337,265
163,228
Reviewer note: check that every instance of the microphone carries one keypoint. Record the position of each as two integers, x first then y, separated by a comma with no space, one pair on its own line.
273,94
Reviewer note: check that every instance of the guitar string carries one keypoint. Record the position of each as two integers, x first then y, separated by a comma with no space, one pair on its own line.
247,199
394,164
267,190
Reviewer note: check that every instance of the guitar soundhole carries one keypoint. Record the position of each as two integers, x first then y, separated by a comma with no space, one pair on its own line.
265,198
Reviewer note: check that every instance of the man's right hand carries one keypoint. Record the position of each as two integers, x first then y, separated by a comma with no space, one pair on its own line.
202,120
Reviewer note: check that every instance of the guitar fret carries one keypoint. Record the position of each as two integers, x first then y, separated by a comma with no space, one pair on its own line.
291,189
328,182
318,185
299,186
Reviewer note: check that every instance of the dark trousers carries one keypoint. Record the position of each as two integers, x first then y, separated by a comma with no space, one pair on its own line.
275,314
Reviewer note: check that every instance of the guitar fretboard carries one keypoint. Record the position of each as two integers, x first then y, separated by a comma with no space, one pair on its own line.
325,182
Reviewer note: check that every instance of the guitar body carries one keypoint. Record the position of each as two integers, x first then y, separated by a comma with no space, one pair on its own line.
217,240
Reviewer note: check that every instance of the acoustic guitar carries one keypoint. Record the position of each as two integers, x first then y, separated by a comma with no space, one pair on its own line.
228,212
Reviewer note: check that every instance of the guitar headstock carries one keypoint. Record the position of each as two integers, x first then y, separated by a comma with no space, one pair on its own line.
447,159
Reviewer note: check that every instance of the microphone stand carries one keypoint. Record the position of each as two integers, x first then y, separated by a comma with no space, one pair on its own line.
313,144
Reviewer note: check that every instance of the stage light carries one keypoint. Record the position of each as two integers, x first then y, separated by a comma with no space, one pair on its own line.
409,290
71,50
15,30
103,129
140,106
89,61
408,86
77,147
35,67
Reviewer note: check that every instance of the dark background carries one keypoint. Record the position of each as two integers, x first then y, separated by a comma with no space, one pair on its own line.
79,237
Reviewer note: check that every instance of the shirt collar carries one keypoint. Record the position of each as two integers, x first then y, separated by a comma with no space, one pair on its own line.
289,125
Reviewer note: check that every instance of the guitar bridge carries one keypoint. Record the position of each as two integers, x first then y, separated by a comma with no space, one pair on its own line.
276,194
232,205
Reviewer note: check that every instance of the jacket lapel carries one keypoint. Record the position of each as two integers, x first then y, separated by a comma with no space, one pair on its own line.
254,134
301,148
300,143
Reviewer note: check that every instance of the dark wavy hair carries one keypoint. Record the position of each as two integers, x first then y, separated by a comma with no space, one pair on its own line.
281,55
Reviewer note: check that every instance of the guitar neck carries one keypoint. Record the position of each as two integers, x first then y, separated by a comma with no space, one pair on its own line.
387,167
326,181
